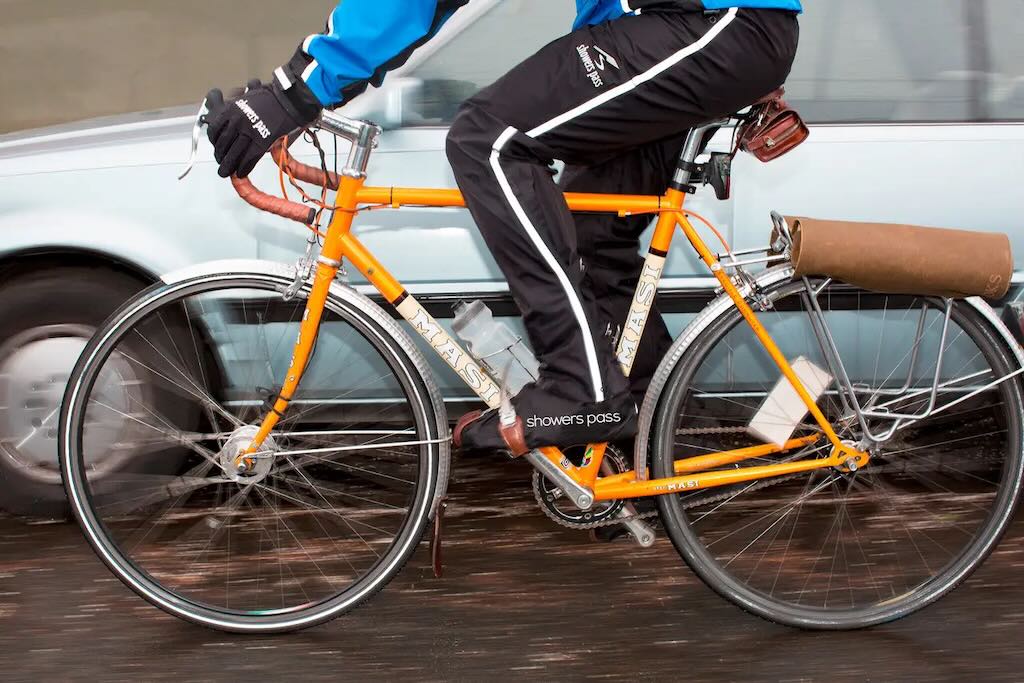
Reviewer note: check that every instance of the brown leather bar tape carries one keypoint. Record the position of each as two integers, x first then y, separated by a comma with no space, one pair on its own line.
300,171
275,205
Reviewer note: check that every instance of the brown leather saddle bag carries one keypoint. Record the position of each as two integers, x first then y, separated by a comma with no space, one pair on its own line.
772,128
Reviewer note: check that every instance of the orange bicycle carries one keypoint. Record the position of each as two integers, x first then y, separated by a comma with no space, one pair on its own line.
822,456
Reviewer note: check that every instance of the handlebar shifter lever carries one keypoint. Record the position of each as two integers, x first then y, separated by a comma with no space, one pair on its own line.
197,131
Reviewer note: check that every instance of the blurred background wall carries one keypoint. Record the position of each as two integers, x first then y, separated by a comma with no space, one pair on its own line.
863,60
64,60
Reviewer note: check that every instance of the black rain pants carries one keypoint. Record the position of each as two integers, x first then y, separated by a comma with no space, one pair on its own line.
614,102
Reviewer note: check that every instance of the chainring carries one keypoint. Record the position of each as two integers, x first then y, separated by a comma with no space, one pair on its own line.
554,503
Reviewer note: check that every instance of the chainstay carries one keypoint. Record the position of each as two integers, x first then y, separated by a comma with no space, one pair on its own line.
903,466
709,500
586,526
698,501
704,500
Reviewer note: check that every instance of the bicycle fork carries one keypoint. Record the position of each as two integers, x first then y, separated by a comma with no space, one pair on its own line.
337,244
328,264
341,244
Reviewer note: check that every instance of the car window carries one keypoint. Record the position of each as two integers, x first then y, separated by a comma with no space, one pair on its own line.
504,36
912,60
878,60
1004,22
865,61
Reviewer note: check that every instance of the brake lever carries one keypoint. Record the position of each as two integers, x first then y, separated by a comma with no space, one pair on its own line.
197,131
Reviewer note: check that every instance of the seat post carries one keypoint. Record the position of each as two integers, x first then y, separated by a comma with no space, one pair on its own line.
691,150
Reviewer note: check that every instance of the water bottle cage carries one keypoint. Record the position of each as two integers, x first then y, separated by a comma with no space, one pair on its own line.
499,373
519,340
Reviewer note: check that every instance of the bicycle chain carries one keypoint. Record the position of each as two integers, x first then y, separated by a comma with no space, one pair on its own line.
703,500
711,430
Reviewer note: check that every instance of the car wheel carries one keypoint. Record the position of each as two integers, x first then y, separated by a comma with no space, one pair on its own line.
46,319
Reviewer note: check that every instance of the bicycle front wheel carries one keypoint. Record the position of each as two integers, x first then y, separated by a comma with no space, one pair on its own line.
339,496
831,548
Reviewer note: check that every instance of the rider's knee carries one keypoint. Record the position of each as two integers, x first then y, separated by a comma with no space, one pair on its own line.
473,134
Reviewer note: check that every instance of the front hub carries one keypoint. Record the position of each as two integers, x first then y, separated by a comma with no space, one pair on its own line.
252,468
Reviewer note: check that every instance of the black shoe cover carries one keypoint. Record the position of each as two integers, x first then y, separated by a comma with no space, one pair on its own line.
550,420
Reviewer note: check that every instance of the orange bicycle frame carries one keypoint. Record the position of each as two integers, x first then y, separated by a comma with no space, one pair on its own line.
691,473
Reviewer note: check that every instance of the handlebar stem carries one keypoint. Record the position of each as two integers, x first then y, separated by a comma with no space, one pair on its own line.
363,135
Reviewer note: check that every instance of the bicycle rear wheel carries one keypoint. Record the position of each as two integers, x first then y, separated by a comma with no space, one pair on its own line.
341,492
835,549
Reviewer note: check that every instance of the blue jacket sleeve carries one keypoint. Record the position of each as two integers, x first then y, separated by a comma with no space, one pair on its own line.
590,12
364,39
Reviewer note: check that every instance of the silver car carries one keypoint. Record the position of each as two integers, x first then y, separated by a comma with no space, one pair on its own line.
917,109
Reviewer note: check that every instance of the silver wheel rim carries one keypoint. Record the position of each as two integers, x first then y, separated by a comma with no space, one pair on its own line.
382,328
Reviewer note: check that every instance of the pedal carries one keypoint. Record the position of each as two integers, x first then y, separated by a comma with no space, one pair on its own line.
641,531
783,409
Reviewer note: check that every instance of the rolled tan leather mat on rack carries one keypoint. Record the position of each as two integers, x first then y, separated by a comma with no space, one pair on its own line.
904,259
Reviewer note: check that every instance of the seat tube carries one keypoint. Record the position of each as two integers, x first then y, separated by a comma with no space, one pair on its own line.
647,285
654,263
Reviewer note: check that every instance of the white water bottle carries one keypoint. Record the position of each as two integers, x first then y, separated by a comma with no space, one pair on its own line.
501,351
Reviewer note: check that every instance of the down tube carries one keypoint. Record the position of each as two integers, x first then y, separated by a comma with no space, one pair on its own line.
475,377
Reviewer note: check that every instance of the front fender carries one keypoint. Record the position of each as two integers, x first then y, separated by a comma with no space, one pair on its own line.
224,266
719,307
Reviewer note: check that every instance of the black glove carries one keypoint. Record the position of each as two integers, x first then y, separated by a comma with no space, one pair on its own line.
243,130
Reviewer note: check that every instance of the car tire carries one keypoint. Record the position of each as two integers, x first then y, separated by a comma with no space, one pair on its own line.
46,319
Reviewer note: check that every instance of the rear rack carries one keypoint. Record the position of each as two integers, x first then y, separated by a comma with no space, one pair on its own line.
779,251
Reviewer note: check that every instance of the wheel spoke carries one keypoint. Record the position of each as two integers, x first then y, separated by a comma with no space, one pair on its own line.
333,502
847,547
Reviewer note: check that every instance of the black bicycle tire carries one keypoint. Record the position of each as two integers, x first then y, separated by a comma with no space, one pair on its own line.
363,318
692,551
